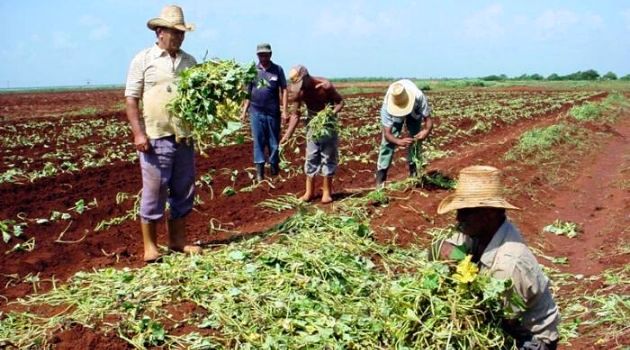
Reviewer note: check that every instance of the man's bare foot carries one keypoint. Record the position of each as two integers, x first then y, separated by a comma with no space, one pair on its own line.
326,199
306,197
151,255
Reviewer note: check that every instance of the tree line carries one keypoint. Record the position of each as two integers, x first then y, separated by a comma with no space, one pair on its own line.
590,74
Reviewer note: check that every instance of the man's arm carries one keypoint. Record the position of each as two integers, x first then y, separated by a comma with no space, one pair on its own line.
244,111
427,126
284,96
293,120
140,139
387,123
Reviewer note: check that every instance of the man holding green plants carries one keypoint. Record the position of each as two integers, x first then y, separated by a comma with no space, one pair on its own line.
267,102
497,246
404,104
320,96
164,146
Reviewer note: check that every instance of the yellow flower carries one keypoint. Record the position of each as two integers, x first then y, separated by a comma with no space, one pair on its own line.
466,270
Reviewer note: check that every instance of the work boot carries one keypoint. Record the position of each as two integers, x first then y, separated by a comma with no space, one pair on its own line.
260,171
149,239
381,177
413,170
275,169
327,190
177,237
308,193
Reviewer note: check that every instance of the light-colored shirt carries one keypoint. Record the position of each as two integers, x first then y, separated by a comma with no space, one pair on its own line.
152,77
420,110
507,257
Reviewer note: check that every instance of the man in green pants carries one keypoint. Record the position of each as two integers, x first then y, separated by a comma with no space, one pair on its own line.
404,104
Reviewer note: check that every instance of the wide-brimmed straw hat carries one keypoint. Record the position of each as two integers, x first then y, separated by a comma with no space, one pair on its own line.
400,100
171,16
478,186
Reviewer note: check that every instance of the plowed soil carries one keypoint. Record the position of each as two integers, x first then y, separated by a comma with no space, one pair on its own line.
592,191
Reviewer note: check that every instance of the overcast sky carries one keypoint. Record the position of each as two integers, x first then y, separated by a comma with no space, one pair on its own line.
72,42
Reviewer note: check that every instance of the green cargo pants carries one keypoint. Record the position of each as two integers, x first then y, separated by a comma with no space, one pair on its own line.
386,150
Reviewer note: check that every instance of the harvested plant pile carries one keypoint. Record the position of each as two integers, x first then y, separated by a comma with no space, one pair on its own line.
209,96
323,283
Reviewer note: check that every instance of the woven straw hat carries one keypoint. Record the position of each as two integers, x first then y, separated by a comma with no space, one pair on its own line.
478,186
296,76
171,16
400,100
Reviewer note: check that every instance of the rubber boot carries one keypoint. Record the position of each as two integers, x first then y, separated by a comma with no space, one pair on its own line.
149,239
381,177
327,190
413,170
275,169
177,237
308,193
260,171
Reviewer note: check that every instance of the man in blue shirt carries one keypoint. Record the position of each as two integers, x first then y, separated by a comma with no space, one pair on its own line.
404,104
266,106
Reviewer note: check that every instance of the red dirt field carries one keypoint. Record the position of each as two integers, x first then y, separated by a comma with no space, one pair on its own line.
592,190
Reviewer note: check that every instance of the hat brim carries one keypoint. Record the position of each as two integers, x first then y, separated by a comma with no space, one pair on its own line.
263,51
454,202
160,22
397,111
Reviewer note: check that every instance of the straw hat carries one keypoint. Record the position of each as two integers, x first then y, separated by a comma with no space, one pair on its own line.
478,186
171,16
400,100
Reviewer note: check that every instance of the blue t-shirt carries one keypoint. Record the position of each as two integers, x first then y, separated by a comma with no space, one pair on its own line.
265,98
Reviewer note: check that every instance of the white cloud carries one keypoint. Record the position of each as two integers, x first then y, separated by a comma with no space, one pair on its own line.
553,24
98,29
485,23
62,41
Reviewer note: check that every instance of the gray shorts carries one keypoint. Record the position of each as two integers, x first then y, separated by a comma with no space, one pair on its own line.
322,155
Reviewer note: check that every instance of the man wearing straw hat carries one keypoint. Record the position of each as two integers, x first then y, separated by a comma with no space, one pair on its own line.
164,147
498,247
404,104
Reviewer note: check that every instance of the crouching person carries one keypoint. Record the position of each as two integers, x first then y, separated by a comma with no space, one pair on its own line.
497,246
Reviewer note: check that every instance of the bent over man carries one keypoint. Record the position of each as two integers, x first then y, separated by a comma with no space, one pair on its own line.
321,154
404,104
164,147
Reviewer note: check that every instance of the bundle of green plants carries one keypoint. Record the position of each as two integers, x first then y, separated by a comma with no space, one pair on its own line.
323,124
209,97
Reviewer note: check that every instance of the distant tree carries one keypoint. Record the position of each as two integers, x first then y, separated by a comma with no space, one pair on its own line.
554,76
625,77
536,76
609,76
495,77
590,74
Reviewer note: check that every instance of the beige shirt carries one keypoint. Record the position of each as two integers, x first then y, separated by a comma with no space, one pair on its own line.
152,77
507,256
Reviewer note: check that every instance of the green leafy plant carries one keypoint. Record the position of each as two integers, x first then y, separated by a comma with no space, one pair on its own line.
209,97
323,124
563,228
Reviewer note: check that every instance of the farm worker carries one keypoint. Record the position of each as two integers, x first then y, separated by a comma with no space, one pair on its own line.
322,154
164,147
497,246
266,106
404,104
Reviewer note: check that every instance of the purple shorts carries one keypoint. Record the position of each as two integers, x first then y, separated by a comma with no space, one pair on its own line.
168,173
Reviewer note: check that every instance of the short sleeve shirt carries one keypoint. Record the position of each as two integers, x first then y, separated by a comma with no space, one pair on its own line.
420,110
507,257
265,97
152,77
